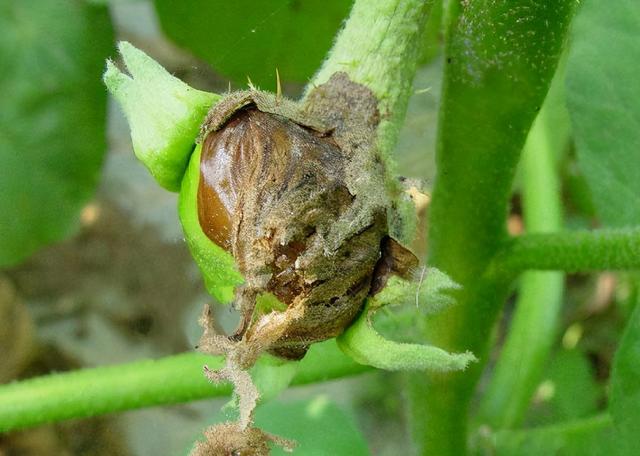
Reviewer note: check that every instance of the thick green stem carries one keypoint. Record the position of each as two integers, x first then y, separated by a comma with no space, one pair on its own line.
572,251
533,326
379,48
439,403
500,58
171,380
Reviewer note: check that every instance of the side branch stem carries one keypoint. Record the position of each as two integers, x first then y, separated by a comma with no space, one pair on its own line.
170,380
571,251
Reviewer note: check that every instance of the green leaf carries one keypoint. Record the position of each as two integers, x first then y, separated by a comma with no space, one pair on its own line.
254,37
589,437
602,95
318,426
625,382
573,390
52,129
272,375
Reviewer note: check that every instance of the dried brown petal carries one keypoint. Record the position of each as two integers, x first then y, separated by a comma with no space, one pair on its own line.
228,439
396,260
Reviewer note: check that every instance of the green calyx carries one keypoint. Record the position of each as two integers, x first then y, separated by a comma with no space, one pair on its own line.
165,116
217,265
164,113
427,295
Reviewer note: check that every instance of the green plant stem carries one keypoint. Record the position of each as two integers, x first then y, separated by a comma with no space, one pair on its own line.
534,322
379,48
572,251
171,380
495,78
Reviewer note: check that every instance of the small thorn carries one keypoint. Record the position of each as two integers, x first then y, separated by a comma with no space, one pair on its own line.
250,83
229,88
278,86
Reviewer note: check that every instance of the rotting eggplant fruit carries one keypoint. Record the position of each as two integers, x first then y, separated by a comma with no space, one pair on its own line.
297,194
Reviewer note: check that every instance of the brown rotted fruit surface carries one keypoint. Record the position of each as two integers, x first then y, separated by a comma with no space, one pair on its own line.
270,191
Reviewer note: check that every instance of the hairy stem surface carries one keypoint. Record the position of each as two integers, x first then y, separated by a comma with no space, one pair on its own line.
379,48
171,380
495,80
573,251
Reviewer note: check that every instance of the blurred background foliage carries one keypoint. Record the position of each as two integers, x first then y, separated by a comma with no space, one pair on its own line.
94,267
53,119
252,39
